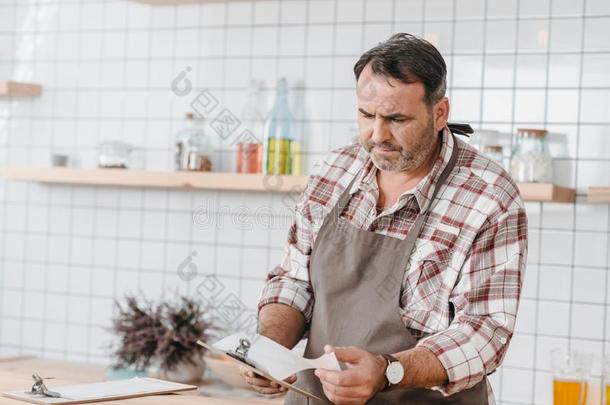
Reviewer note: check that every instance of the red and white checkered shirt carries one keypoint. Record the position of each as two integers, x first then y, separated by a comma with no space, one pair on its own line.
461,288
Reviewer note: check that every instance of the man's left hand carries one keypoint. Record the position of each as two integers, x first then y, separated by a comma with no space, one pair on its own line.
364,377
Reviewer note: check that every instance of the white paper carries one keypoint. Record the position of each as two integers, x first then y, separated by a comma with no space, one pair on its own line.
130,386
275,359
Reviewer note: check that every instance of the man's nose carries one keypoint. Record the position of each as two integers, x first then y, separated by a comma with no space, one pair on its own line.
381,131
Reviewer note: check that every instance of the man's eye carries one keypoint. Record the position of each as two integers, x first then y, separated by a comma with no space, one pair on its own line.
398,120
367,116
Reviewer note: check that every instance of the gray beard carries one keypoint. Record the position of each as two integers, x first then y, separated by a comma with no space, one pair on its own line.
407,160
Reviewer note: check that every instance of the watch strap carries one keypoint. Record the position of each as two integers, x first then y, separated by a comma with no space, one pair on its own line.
389,358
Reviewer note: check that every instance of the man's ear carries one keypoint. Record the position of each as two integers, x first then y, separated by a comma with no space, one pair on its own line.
441,114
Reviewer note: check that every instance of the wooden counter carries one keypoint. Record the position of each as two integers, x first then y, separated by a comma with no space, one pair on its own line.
15,373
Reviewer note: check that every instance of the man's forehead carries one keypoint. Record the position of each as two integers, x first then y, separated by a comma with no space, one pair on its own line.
388,103
387,93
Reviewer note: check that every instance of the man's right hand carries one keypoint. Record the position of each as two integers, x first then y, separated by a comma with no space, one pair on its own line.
261,384
286,326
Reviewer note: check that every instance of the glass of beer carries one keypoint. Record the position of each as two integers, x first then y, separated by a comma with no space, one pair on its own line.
571,373
607,380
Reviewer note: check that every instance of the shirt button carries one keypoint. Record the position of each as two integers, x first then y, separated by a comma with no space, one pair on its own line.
503,340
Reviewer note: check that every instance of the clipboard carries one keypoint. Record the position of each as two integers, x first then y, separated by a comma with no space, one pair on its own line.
239,356
172,387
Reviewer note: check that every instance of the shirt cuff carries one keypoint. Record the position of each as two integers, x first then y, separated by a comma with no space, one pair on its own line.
459,357
288,291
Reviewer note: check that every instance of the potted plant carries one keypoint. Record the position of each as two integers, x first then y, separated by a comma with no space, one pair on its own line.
161,338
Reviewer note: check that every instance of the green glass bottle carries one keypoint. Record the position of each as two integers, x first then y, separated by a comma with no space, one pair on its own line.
282,152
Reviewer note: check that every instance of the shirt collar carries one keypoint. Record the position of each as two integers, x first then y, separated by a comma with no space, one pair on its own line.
367,181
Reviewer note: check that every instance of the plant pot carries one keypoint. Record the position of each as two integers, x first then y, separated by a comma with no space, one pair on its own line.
182,373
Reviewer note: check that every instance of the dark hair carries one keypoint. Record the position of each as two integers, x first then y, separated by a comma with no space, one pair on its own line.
409,59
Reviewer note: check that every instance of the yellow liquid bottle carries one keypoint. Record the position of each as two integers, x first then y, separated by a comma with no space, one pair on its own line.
278,156
279,132
296,158
607,394
569,392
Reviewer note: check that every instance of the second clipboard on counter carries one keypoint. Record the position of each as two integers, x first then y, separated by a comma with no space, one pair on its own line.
269,359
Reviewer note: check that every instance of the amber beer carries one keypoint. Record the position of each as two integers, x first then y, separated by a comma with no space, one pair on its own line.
571,372
606,380
570,392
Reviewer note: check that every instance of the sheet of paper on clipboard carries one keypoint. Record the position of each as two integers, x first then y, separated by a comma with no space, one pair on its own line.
269,359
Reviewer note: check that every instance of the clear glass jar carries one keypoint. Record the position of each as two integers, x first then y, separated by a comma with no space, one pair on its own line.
249,157
192,147
530,160
113,154
483,137
496,152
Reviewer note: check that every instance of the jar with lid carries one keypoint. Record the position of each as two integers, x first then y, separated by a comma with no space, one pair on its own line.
192,148
196,158
496,152
530,160
482,137
113,154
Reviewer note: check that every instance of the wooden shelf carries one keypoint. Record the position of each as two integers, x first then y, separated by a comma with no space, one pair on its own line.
542,192
9,88
140,178
546,192
176,2
599,195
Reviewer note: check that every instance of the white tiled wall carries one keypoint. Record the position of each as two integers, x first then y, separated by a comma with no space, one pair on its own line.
107,69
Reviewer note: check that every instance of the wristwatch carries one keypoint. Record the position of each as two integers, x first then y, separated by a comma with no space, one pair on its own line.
394,372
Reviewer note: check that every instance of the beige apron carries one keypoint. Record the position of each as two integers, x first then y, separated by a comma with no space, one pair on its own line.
356,277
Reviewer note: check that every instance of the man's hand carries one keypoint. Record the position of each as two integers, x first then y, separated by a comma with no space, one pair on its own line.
261,384
364,377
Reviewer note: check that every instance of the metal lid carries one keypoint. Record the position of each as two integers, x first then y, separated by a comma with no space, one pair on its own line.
531,132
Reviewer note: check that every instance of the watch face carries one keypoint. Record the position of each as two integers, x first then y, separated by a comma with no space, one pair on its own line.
395,372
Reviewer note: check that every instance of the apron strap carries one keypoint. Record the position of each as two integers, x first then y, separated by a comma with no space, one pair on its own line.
446,171
460,129
413,233
344,198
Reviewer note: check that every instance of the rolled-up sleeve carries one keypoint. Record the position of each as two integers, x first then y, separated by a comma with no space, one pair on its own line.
485,300
288,283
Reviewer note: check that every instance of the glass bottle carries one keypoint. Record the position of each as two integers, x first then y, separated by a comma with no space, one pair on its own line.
530,160
250,148
281,150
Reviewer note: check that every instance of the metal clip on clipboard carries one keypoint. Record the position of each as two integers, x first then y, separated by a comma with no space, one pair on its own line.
241,351
40,389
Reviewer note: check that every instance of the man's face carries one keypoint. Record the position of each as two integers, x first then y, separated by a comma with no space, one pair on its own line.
397,128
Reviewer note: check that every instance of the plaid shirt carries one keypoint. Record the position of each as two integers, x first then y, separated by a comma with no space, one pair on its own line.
461,287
